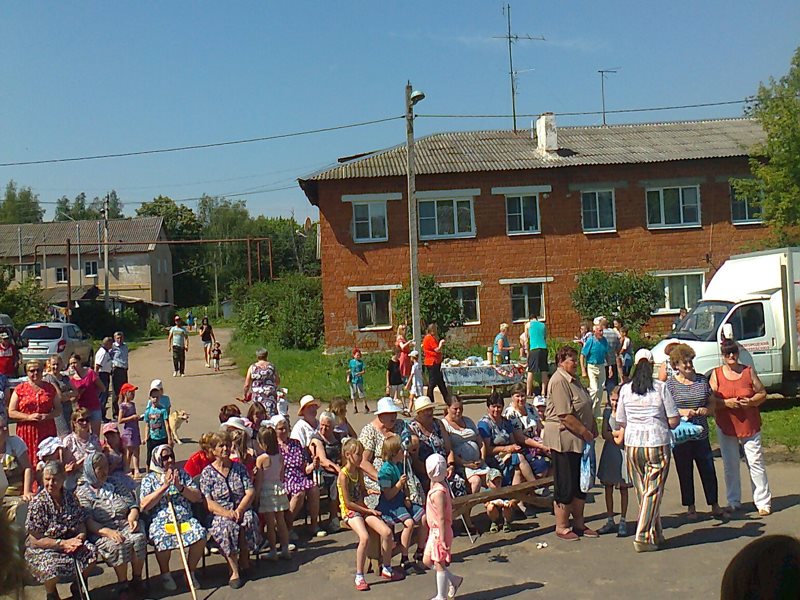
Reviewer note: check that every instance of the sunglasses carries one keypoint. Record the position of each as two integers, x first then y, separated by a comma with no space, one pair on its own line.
82,421
733,353
167,456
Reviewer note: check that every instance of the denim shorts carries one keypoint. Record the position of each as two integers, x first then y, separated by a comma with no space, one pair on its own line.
96,415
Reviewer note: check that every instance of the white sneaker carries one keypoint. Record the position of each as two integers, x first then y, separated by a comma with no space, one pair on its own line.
174,373
183,374
168,582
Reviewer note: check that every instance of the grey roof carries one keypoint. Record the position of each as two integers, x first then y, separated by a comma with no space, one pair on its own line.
137,229
58,295
477,151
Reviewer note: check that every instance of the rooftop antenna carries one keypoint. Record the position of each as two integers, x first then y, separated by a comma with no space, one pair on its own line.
511,39
603,74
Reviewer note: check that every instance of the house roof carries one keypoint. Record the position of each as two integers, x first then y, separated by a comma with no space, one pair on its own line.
59,295
477,151
137,229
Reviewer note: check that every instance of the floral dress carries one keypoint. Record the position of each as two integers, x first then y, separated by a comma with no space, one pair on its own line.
263,388
228,491
433,443
294,464
109,507
81,449
32,400
46,519
116,470
372,439
157,532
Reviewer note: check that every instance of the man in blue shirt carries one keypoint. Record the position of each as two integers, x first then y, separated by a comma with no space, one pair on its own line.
537,355
593,365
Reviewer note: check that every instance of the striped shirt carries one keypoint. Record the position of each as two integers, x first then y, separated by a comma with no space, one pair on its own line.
695,395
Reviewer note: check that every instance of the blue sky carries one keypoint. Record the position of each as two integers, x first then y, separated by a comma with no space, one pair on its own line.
105,77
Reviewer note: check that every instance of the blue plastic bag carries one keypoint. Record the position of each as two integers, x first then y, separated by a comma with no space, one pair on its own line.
588,467
686,431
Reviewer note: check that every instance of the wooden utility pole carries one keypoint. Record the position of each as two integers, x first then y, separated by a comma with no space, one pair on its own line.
68,312
258,260
106,298
249,265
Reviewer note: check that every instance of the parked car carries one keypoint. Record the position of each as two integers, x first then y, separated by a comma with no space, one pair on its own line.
42,340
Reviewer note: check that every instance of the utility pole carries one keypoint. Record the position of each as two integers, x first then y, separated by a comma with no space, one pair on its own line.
68,312
511,39
603,74
412,97
106,298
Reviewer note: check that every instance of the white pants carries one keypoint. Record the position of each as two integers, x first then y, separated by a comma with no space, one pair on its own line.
597,383
754,458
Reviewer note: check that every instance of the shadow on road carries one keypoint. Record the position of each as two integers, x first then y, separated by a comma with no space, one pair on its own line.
716,533
501,592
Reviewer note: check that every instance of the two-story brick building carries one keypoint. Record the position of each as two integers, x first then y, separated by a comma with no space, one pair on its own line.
507,220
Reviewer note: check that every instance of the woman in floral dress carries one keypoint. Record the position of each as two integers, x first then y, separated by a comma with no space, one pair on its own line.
165,481
229,493
261,383
56,529
81,442
34,405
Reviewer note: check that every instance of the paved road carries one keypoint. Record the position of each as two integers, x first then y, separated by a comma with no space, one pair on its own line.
496,566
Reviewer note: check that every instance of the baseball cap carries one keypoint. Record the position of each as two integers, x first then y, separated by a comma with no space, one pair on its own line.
128,387
643,354
157,384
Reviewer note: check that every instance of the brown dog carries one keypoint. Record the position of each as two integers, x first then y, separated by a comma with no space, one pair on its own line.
176,419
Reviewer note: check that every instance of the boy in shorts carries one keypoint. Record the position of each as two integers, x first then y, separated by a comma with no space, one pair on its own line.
355,377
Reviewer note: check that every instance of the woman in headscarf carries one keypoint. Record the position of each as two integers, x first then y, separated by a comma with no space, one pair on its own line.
164,483
113,522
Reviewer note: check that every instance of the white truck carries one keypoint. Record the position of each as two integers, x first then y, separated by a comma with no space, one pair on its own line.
753,297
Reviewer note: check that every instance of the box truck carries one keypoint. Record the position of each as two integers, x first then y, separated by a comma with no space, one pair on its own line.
753,299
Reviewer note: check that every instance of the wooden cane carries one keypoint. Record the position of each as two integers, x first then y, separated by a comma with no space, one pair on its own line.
181,547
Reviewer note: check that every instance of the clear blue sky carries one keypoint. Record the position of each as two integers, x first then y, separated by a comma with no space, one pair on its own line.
104,77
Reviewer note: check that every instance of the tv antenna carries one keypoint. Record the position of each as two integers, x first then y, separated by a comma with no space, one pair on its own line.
603,74
512,38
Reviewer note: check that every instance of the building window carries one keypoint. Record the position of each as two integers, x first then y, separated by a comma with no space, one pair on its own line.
744,210
90,268
373,309
673,207
467,298
369,222
598,211
527,300
61,274
158,266
32,270
446,218
682,290
522,214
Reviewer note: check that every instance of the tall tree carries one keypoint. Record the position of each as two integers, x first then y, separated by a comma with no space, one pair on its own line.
79,210
20,205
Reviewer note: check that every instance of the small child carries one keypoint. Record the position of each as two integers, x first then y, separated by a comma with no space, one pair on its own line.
216,354
415,382
241,450
358,517
355,377
394,506
273,501
612,471
342,428
439,514
156,420
394,379
625,352
128,421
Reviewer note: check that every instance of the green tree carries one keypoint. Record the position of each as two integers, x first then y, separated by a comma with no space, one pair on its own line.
628,295
775,163
23,303
79,210
180,221
20,205
436,305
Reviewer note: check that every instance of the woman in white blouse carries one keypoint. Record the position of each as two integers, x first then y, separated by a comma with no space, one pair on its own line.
647,412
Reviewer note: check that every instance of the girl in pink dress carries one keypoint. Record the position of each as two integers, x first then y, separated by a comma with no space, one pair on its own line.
439,512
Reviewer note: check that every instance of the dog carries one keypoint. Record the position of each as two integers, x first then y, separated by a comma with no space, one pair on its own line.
176,419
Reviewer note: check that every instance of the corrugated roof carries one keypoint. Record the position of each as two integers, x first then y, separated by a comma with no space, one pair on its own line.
476,151
137,229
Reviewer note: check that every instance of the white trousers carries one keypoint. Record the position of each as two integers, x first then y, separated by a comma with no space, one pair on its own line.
597,384
754,458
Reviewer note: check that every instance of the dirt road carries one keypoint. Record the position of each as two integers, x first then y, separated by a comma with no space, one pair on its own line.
496,566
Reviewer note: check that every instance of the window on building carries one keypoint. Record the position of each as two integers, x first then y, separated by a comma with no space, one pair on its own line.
744,210
90,268
522,214
527,300
598,211
681,291
446,218
748,322
32,270
673,207
158,266
369,222
467,298
61,274
373,309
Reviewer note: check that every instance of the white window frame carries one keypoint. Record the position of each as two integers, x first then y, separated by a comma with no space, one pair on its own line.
458,285
453,196
600,229
748,220
361,199
373,290
527,281
682,224
376,206
64,278
89,264
665,275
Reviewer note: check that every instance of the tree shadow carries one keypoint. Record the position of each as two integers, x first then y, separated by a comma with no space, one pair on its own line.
502,592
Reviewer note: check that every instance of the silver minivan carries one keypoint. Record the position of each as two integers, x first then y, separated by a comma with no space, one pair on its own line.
42,340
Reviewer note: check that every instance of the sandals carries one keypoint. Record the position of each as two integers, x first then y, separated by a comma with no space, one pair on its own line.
494,528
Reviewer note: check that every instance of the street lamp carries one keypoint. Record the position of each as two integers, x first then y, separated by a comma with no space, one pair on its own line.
412,97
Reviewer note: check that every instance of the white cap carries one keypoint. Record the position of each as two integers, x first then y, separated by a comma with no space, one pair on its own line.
236,423
157,384
387,405
643,354
413,354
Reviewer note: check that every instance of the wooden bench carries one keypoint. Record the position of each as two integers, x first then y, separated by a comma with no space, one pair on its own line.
524,492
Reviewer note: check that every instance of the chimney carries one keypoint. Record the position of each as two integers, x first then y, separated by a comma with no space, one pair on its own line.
546,134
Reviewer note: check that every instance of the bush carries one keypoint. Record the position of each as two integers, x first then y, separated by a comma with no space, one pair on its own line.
629,296
23,303
154,328
436,305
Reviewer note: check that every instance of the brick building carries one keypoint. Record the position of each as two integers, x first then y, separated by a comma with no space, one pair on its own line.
507,220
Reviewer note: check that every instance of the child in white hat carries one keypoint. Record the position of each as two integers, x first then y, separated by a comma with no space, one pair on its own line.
414,383
439,512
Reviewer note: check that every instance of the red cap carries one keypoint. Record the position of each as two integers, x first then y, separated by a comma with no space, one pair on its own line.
127,387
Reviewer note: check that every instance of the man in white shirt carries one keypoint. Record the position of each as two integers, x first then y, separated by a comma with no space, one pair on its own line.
102,365
307,424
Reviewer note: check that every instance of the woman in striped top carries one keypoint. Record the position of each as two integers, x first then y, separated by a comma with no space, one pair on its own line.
693,396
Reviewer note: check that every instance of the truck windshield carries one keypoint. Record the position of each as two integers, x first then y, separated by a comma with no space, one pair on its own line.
702,323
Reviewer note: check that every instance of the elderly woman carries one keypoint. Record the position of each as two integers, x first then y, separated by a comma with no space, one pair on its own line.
300,487
229,493
115,453
404,347
15,463
81,442
646,413
501,347
307,423
56,528
88,387
739,424
326,445
166,484
34,405
467,444
693,396
113,522
55,376
569,425
53,448
502,445
261,383
433,439
525,418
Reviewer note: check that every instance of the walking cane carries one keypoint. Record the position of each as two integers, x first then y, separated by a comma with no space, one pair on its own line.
463,520
81,580
181,547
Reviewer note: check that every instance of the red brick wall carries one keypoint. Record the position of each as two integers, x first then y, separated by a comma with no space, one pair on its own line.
561,251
